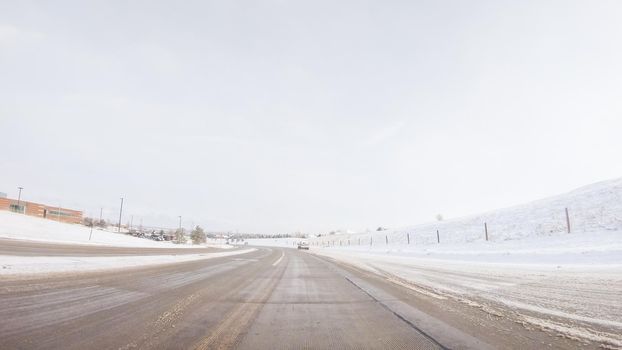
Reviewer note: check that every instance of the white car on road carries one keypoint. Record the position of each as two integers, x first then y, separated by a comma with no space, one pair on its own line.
303,245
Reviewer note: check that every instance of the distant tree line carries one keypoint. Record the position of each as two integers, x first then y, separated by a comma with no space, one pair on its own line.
263,235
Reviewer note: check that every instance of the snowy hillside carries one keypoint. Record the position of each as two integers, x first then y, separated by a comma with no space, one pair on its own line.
593,208
18,226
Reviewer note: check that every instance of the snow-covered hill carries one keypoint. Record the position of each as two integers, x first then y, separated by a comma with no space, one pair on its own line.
593,208
18,226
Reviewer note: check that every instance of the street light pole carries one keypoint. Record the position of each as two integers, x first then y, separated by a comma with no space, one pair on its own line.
120,213
91,233
19,197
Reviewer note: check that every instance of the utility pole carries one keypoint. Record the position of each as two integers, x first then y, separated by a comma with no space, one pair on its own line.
567,220
100,214
19,197
180,223
91,233
120,213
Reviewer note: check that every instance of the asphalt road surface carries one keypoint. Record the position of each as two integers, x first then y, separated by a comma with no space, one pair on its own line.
34,248
271,298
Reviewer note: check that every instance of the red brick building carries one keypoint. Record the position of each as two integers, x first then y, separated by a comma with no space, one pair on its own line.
41,210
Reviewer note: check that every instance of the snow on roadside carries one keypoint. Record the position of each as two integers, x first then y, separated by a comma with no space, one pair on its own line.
595,248
14,265
577,299
19,226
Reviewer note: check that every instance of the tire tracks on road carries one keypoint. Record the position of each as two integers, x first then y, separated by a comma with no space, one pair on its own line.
235,323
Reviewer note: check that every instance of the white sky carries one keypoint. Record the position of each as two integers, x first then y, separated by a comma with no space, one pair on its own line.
277,116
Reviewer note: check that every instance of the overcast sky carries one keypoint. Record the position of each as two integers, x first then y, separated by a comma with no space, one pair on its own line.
279,116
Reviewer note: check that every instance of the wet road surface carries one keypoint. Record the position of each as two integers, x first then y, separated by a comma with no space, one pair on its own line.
33,248
271,298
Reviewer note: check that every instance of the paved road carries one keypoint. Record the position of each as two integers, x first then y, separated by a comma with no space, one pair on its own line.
269,299
34,248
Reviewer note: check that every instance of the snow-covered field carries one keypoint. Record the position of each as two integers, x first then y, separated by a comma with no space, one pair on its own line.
530,270
18,265
18,226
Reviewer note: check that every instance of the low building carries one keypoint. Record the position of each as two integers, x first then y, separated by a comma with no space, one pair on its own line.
41,210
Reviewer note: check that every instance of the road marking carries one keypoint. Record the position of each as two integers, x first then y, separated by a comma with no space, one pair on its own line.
279,259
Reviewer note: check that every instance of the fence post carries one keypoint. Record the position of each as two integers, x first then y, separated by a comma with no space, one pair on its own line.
486,230
438,237
371,240
386,238
408,237
567,220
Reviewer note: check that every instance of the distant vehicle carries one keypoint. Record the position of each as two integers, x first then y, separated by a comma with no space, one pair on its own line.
156,237
303,245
